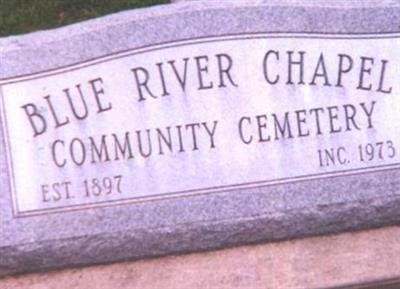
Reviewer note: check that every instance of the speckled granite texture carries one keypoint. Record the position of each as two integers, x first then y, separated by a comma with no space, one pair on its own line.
334,261
201,222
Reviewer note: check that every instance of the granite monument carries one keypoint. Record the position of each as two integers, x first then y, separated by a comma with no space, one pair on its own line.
197,125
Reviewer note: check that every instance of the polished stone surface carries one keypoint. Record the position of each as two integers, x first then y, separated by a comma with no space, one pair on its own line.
206,221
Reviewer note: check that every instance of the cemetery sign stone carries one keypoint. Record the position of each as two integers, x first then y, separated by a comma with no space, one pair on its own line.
197,125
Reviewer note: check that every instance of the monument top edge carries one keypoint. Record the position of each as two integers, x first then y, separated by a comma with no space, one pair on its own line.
49,49
185,6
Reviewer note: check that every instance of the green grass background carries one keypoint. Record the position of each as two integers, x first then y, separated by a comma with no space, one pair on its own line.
22,16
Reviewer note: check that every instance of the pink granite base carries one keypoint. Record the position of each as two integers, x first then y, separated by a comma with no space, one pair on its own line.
318,262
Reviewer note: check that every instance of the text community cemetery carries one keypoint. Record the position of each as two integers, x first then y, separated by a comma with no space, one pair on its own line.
291,68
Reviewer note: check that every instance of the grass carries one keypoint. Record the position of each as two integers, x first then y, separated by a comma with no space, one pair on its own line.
22,16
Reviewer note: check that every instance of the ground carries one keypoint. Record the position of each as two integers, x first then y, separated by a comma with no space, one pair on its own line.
22,16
